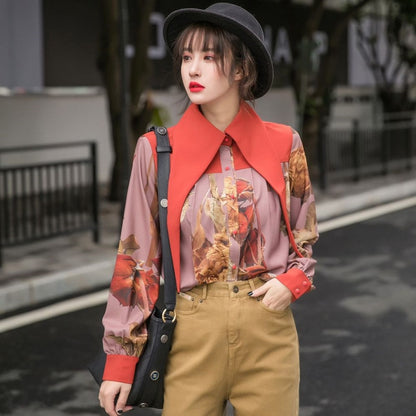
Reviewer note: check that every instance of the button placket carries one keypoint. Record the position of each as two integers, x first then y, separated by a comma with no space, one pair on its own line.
226,159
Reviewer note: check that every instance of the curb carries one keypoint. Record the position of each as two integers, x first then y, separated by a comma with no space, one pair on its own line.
54,286
368,199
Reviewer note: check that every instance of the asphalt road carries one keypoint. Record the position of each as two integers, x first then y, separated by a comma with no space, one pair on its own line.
357,333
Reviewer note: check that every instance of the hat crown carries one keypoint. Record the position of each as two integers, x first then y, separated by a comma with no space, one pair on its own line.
240,15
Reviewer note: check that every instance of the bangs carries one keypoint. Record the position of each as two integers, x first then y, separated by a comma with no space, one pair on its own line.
204,37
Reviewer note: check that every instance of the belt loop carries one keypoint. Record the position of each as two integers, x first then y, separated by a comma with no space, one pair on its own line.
204,291
251,283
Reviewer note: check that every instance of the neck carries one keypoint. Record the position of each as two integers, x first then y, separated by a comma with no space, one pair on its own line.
221,114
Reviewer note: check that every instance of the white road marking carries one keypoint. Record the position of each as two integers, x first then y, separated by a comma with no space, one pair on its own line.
57,309
98,298
366,214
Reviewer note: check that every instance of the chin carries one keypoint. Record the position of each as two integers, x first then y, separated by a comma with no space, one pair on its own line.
196,101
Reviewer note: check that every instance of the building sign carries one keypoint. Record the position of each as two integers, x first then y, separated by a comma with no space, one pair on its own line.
283,27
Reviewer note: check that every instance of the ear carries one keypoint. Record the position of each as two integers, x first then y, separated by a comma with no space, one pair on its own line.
238,75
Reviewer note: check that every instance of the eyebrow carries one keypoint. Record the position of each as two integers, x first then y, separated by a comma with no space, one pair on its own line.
189,49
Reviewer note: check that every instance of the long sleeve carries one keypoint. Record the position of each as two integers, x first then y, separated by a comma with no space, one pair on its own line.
135,283
300,203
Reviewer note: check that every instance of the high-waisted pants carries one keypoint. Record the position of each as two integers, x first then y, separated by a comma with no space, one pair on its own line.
230,346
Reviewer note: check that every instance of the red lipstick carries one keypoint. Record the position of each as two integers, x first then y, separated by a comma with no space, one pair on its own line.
195,87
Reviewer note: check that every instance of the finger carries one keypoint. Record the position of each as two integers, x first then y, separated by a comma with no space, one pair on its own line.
278,298
122,399
109,406
107,399
101,403
259,291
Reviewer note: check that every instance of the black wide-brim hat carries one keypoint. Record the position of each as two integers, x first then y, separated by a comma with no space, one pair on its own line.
234,19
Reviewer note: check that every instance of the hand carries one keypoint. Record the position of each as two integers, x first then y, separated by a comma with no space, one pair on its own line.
109,391
276,295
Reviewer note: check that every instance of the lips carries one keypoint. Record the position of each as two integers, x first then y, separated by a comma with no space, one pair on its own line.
195,87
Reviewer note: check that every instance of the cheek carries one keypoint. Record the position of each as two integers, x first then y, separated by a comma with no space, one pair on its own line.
217,76
223,81
183,74
222,78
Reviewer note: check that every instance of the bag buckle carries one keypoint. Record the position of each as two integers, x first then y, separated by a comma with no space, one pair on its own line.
170,317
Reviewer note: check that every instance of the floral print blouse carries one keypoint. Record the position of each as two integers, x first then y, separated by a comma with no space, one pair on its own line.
231,228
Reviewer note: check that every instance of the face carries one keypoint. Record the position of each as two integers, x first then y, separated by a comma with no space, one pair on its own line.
203,79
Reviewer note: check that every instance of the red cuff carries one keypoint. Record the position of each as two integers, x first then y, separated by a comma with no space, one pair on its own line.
120,368
296,281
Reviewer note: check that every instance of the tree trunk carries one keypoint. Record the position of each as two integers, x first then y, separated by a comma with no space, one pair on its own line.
109,64
110,67
310,137
141,102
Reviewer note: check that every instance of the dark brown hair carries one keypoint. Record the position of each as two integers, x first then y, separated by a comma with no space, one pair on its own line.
225,45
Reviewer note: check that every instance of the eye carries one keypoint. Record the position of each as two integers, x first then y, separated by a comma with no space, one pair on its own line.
186,57
209,57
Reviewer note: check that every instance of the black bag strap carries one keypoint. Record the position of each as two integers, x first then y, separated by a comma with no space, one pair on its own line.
164,150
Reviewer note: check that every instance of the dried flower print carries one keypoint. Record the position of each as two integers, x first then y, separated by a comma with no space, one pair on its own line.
132,285
298,173
308,235
233,216
134,343
215,265
128,245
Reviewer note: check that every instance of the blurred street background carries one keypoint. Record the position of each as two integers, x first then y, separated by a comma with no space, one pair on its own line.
80,80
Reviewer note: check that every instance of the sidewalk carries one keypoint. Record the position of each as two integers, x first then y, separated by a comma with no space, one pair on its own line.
62,267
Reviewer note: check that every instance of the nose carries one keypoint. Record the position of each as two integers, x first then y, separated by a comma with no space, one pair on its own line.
194,69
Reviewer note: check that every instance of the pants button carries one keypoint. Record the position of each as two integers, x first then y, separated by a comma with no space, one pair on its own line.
236,289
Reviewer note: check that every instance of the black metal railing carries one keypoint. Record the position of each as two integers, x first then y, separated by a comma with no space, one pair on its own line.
44,199
358,152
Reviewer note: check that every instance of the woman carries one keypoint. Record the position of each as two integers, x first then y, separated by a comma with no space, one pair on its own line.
241,223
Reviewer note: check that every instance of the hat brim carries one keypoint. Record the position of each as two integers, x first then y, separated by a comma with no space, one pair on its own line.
178,20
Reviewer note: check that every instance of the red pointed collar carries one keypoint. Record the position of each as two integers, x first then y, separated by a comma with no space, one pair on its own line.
195,142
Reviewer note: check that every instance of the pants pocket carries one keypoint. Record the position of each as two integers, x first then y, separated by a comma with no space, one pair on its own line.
282,313
187,303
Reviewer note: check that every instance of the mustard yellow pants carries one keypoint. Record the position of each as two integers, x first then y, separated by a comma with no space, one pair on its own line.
229,346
